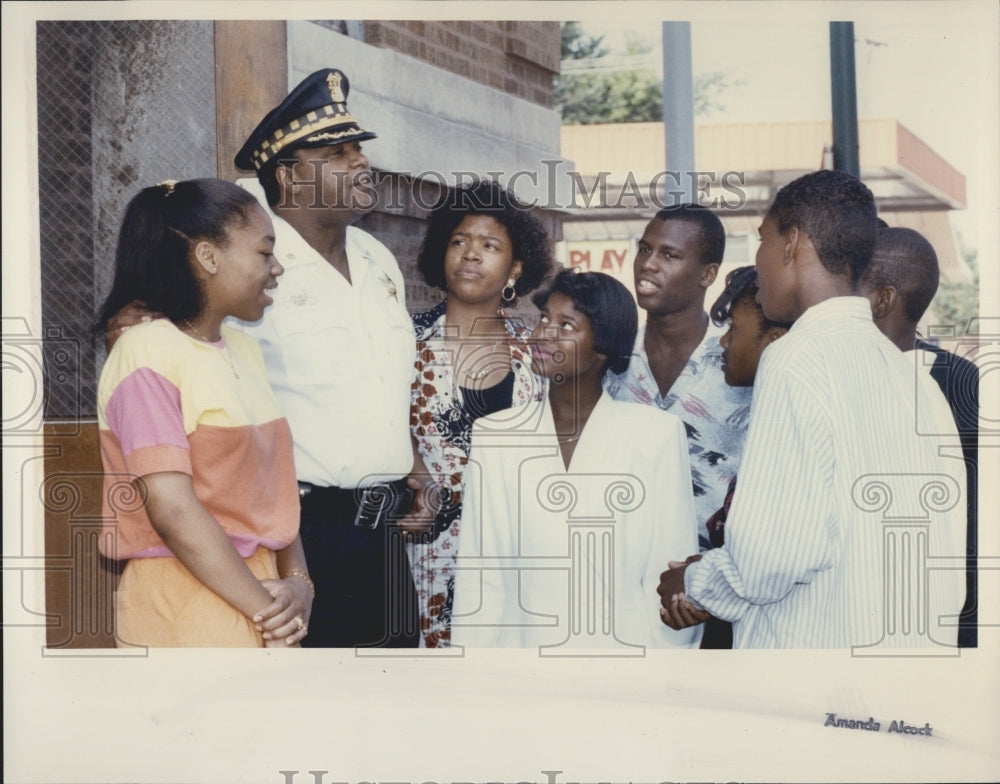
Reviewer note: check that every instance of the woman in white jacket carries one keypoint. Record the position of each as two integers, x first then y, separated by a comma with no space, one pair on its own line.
574,505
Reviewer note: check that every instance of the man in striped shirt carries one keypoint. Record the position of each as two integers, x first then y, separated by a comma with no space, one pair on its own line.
847,528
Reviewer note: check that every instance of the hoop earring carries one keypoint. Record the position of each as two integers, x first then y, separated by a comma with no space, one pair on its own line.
508,296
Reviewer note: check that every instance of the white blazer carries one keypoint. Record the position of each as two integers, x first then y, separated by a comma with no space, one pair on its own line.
567,559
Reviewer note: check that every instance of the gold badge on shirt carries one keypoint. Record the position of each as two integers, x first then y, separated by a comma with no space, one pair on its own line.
390,287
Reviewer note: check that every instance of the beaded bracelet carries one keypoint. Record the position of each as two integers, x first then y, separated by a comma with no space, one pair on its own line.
305,576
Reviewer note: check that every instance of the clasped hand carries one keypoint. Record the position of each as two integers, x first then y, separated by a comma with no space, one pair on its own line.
420,518
280,620
676,611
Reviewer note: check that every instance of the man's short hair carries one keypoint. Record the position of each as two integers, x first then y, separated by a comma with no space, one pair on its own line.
267,176
837,211
712,244
905,260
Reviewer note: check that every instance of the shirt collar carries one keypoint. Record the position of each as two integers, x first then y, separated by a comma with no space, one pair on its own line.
836,310
709,345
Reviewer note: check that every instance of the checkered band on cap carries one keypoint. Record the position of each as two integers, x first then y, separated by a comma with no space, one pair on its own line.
304,128
313,114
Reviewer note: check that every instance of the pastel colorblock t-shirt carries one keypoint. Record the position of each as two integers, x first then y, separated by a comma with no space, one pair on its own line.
169,402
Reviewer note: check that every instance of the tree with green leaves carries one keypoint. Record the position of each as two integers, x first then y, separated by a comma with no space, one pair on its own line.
576,45
621,94
957,303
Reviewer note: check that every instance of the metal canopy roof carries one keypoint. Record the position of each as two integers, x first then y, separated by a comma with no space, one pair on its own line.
743,165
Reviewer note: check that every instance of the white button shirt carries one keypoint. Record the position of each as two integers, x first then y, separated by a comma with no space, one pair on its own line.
564,558
339,357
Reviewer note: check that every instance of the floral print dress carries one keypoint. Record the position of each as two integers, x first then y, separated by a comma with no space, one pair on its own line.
441,422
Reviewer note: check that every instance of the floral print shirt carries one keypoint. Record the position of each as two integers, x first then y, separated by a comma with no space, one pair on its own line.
441,423
715,415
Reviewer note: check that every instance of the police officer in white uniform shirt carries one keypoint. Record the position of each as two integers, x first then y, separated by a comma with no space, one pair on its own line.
339,348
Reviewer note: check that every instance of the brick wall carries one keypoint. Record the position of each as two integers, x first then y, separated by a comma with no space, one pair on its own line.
515,57
519,58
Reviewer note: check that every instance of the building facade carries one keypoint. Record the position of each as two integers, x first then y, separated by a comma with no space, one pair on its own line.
137,102
620,181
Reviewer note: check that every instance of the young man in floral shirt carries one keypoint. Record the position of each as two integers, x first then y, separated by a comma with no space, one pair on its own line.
677,361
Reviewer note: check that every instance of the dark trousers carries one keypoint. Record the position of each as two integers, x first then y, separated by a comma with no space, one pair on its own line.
718,634
364,588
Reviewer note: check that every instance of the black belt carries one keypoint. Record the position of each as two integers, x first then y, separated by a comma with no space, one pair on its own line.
384,502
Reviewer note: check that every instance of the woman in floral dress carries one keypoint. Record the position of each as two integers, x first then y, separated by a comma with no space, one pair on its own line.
484,249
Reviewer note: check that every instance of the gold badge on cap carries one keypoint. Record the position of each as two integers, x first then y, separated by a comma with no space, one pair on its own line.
333,83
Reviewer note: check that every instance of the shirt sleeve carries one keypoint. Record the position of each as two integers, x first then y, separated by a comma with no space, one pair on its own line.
781,525
144,413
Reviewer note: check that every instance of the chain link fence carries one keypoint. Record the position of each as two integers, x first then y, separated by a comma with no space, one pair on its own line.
121,105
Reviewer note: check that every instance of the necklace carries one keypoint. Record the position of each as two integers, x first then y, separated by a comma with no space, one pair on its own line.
226,356
483,372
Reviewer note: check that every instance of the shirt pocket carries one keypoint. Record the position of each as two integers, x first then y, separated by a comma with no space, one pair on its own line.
395,344
318,345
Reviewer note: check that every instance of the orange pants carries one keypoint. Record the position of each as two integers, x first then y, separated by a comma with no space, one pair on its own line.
160,604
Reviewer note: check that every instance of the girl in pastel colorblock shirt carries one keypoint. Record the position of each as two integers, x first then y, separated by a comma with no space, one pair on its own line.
200,492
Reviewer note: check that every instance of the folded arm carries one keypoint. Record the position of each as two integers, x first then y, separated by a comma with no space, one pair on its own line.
198,541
